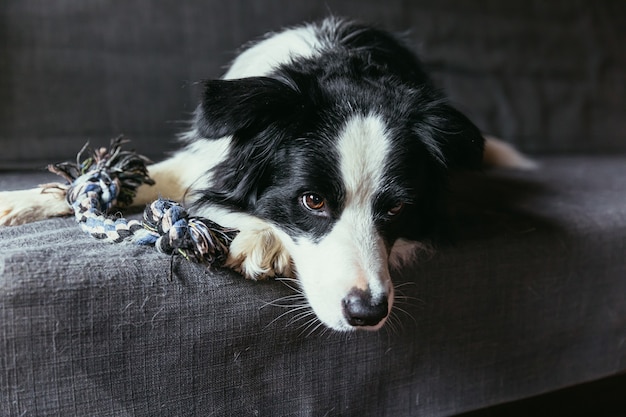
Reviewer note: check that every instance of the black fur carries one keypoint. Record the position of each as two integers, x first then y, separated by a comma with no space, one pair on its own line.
284,127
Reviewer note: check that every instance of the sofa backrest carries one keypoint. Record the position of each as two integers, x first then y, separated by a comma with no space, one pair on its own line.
548,76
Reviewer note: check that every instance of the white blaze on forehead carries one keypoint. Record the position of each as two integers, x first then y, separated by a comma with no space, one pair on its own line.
363,149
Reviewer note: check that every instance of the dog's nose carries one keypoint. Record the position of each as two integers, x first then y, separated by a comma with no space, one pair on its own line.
360,310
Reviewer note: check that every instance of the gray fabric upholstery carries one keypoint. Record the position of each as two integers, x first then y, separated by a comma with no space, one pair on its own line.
548,77
528,297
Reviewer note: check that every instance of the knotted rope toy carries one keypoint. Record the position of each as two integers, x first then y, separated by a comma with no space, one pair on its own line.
109,179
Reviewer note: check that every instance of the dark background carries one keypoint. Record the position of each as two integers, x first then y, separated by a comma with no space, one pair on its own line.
547,76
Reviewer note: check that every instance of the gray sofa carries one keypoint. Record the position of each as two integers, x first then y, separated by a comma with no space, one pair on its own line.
528,297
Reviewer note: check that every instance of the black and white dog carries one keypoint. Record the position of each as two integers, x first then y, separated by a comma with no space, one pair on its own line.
328,147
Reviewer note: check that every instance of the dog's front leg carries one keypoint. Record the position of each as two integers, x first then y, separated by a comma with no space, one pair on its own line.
25,206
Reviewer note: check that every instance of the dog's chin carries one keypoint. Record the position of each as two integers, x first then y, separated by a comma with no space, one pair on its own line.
375,328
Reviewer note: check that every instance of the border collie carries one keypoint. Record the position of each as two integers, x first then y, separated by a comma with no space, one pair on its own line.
328,147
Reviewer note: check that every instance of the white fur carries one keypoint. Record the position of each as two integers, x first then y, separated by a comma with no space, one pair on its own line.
273,51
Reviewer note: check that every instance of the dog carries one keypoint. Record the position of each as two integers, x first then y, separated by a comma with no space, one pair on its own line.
328,147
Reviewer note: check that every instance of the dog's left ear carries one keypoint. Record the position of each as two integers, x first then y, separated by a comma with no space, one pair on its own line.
256,112
245,106
451,137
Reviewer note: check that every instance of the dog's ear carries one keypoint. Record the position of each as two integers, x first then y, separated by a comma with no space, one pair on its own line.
258,112
451,137
245,106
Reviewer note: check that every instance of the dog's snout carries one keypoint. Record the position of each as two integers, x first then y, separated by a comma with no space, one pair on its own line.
361,310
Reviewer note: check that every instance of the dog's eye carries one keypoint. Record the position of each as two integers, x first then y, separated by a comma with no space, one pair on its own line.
314,202
395,210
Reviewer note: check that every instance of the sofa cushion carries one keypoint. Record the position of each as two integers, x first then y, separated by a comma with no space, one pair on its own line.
529,296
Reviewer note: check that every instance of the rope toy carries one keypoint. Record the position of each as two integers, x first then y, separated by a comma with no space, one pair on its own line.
109,179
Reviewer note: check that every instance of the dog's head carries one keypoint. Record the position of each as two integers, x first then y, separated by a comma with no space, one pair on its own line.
345,167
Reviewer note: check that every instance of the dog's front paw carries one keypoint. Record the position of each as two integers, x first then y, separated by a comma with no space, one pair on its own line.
259,254
25,206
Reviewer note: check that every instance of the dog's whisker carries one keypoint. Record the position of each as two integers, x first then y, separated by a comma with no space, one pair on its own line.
394,324
300,316
294,289
296,304
309,324
290,283
287,297
303,315
283,315
287,279
303,326
402,298
306,332
390,325
298,310
405,312
320,324
402,287
299,307
324,332
404,284
407,300
288,300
